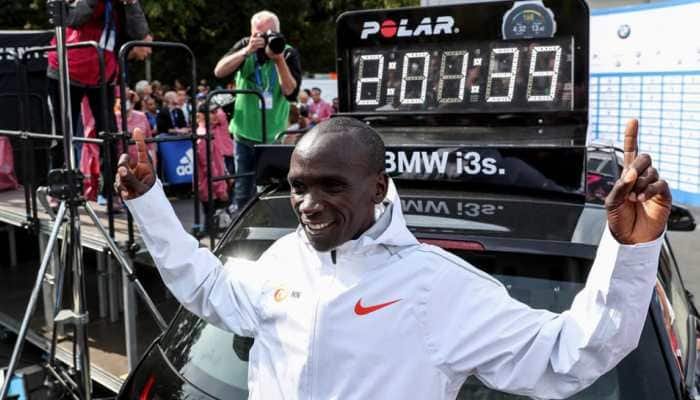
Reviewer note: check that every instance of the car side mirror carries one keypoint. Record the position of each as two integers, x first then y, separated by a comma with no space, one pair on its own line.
681,219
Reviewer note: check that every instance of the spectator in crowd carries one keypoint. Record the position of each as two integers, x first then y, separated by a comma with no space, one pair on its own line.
170,118
109,24
222,138
178,85
219,188
202,90
183,102
303,102
304,96
336,105
143,89
135,119
165,88
296,121
90,155
150,109
229,107
157,92
319,109
132,97
297,124
277,76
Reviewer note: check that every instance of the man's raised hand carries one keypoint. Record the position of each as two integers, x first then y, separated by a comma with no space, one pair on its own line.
639,204
135,178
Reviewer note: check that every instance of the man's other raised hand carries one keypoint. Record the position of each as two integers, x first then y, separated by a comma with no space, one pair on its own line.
639,204
135,177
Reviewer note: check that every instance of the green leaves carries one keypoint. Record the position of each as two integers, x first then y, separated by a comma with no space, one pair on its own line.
211,27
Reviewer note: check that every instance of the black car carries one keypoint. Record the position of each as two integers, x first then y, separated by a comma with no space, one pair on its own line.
543,262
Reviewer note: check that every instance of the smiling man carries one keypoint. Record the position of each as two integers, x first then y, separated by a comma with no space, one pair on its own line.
377,315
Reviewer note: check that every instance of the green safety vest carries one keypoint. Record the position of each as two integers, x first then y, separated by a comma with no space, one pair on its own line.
246,122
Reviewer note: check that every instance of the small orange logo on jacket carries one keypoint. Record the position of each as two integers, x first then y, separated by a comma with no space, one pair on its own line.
281,294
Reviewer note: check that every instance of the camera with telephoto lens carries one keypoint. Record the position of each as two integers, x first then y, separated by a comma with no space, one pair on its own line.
273,40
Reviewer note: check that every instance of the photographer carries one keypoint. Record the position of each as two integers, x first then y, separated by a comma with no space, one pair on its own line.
265,63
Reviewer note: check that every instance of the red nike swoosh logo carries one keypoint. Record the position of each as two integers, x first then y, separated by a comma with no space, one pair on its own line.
359,310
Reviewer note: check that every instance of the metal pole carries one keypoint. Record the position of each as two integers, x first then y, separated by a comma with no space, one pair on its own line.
195,157
210,184
119,256
148,69
129,322
13,245
108,142
48,285
101,284
23,105
123,54
14,360
79,305
64,88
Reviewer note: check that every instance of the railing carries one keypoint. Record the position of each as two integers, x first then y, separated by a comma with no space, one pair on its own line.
107,138
24,133
123,54
208,138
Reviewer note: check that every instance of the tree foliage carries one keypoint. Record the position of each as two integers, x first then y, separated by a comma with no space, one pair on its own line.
211,27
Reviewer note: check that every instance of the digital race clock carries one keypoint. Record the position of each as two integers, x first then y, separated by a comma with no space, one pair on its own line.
500,57
487,95
492,76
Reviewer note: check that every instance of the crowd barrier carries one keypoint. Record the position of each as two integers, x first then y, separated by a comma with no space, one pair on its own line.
107,139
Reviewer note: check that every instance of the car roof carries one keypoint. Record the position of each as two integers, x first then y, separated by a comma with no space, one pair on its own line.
497,221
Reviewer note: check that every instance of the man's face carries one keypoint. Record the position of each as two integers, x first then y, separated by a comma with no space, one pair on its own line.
181,97
316,95
262,26
333,190
151,105
173,103
303,97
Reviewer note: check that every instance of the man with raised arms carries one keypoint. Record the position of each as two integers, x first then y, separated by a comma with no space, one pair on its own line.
378,315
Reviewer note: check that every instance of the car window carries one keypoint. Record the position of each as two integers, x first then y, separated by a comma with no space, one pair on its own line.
205,356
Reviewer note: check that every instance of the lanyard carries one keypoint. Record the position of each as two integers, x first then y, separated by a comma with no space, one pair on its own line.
258,77
109,33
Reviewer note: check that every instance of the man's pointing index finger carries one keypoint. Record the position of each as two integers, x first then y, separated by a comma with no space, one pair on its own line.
139,138
630,142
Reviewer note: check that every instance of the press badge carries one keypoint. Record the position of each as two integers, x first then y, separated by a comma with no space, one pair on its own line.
267,95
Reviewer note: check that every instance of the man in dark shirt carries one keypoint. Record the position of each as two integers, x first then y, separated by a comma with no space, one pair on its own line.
170,118
276,76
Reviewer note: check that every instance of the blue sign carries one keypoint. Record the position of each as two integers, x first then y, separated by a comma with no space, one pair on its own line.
177,161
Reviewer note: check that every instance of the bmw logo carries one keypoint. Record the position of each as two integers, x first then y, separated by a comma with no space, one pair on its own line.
624,31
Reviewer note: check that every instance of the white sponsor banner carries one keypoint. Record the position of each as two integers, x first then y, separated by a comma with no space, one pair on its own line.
645,64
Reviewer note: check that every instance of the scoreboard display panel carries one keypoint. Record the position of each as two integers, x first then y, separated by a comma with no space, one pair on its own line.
493,93
469,76
487,58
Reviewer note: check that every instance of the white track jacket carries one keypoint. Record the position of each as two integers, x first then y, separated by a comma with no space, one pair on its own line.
395,319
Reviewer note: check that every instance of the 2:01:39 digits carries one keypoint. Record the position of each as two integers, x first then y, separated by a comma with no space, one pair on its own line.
424,79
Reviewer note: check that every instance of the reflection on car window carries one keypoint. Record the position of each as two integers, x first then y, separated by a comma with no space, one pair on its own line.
204,355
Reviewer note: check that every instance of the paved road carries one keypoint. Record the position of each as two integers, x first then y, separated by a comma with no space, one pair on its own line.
686,245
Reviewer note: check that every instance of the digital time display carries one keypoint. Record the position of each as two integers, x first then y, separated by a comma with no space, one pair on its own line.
471,77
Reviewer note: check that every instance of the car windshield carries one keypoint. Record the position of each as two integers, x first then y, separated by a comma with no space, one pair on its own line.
215,361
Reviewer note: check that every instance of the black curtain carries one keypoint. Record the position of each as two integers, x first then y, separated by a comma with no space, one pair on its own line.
36,112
